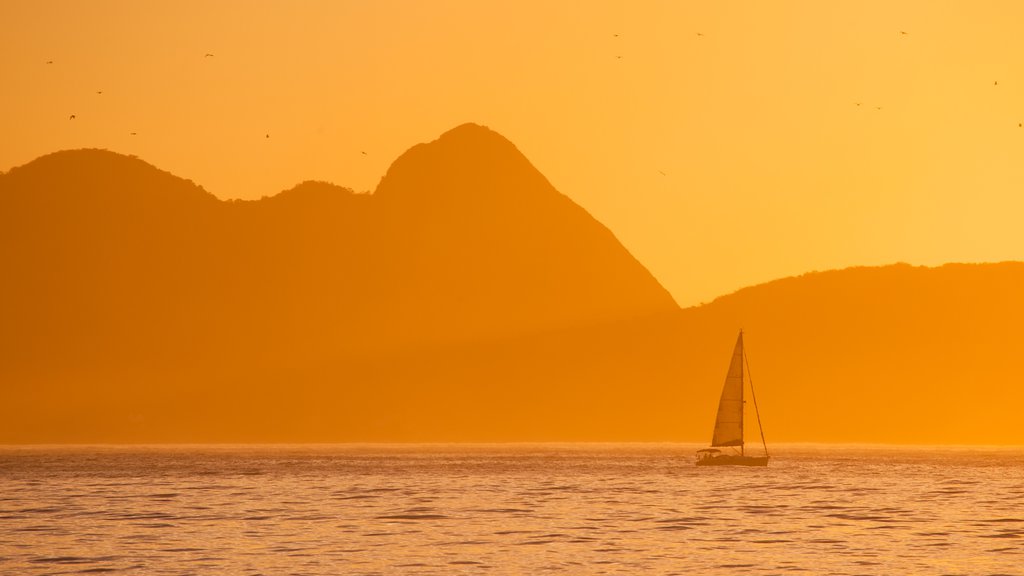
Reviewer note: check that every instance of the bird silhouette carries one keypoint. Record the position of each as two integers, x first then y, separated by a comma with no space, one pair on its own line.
72,117
133,134
878,107
858,103
700,33
618,57
902,33
996,83
1020,124
616,35
267,136
49,61
363,152
660,172
99,91
207,55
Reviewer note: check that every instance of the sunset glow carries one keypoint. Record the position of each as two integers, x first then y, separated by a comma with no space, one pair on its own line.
724,144
558,287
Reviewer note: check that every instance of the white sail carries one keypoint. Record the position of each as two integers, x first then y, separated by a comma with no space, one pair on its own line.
729,422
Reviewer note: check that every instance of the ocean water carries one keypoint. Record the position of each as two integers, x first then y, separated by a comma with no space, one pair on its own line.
508,509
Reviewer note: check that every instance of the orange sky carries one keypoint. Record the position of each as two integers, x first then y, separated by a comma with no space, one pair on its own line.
749,109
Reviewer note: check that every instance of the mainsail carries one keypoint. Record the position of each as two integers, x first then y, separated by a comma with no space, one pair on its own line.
729,422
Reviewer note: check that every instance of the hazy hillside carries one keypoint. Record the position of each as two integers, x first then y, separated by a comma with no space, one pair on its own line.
138,306
894,354
466,299
889,354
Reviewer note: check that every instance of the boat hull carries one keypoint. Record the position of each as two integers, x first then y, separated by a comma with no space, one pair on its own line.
733,460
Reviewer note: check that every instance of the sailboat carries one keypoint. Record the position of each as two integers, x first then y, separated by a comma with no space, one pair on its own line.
729,422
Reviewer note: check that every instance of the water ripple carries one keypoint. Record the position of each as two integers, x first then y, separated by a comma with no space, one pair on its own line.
561,509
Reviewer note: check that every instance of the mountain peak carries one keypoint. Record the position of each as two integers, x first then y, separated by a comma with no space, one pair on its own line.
473,197
469,161
472,130
95,174
313,191
90,160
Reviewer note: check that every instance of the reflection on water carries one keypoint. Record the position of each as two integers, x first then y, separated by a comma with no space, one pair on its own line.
508,509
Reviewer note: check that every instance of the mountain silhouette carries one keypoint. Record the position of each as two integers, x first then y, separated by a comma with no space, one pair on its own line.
141,307
892,354
502,251
464,300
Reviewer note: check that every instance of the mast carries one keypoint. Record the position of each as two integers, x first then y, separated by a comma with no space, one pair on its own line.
754,396
743,402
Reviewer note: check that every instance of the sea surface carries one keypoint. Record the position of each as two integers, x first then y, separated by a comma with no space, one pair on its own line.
508,509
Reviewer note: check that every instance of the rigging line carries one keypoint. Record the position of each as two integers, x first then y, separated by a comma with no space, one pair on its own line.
754,396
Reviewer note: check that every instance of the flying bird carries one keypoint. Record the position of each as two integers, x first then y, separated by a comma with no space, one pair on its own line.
72,117
207,55
700,34
1020,124
902,33
858,103
616,35
660,172
363,152
99,91
267,136
996,83
49,61
133,133
878,107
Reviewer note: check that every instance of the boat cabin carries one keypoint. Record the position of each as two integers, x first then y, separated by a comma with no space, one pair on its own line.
707,453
